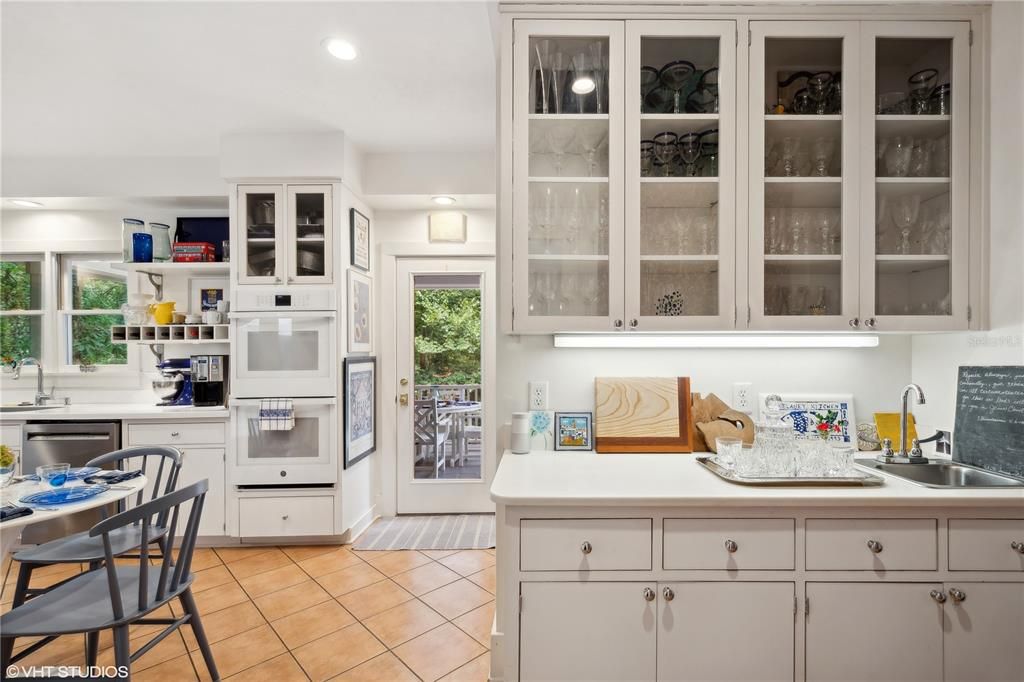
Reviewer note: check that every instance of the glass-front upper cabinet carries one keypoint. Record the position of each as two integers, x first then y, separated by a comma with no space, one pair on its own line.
803,114
567,173
309,234
915,165
680,174
259,236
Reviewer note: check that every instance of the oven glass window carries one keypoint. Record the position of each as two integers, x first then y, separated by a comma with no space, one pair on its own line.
273,351
303,441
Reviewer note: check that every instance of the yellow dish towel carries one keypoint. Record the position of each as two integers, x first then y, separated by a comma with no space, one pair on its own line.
888,425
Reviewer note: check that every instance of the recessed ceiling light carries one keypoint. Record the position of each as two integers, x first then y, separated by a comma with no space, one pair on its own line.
342,49
583,85
443,200
25,203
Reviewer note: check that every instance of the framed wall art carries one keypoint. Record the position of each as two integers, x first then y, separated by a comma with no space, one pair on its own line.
574,431
360,322
359,240
360,409
812,414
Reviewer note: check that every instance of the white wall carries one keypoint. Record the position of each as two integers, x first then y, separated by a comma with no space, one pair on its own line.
935,357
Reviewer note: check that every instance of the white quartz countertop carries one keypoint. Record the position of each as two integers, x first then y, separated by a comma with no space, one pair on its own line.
116,411
579,479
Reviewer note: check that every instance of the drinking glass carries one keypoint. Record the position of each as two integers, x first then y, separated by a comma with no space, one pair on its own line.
542,76
822,149
659,99
559,72
802,103
920,159
648,79
797,225
583,82
881,144
892,103
771,158
790,148
905,211
674,76
574,221
940,157
597,57
561,135
704,98
665,150
825,230
725,449
646,158
749,462
689,146
709,152
897,156
591,139
842,459
941,101
54,475
921,84
835,100
819,87
771,221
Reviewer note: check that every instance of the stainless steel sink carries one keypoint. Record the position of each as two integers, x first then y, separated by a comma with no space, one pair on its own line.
27,408
944,475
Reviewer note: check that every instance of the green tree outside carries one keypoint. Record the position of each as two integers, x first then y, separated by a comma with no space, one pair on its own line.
91,333
15,294
447,344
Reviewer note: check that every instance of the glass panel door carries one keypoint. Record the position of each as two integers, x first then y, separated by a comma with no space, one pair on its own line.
309,234
680,192
804,81
261,212
567,161
916,180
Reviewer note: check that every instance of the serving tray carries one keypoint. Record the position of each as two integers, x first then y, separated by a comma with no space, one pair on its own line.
857,479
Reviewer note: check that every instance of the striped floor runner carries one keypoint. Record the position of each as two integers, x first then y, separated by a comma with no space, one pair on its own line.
464,531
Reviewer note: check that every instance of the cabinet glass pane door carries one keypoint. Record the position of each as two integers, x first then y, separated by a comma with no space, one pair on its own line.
679,167
262,232
309,210
567,102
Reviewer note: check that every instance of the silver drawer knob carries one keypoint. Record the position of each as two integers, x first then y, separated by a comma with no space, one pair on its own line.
649,594
875,546
668,594
957,595
175,434
1017,547
586,547
284,518
938,596
731,546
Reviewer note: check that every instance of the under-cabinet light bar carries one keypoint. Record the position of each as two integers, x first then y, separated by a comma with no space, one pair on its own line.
634,340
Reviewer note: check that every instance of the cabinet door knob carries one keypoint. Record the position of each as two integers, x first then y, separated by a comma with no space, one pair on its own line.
175,434
938,596
284,518
855,322
586,547
875,546
618,324
649,594
731,546
1017,547
957,595
668,594
634,322
869,323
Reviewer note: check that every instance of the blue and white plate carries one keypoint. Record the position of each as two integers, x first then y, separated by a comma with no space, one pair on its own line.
64,495
73,474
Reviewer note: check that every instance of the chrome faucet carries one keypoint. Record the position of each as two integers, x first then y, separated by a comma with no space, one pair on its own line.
914,456
41,395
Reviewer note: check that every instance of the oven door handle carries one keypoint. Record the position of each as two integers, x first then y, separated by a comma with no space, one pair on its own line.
296,402
305,314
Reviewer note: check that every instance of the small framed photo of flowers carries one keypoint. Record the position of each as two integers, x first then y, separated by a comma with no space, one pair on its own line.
360,298
542,433
574,431
824,417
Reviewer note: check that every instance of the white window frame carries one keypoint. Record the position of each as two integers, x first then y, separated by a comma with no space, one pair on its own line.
62,268
41,312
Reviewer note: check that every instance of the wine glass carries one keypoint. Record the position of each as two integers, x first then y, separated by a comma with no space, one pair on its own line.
665,150
904,214
825,229
709,83
574,221
646,158
790,148
921,85
819,87
771,222
689,149
822,149
648,79
771,157
920,159
797,224
897,156
881,144
591,139
561,136
674,76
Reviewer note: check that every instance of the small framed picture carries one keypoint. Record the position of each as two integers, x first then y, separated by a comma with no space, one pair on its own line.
360,298
359,233
574,431
204,292
360,408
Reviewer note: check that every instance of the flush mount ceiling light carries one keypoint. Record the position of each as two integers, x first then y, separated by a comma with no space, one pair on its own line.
342,49
715,341
443,200
583,85
25,203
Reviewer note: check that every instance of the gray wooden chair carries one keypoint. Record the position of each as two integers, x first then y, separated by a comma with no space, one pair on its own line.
116,595
160,464
431,434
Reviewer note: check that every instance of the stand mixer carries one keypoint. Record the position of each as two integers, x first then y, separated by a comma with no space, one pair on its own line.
175,385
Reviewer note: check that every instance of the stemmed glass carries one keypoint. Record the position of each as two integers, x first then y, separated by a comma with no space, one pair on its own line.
583,80
665,150
921,85
596,50
674,76
560,136
646,158
822,150
559,71
689,149
575,221
797,223
709,83
881,144
897,156
542,48
790,149
819,87
920,158
648,79
771,157
545,214
825,228
905,213
591,139
771,220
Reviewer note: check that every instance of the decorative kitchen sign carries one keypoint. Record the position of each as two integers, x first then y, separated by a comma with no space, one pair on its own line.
643,414
360,296
989,427
359,238
812,414
573,431
360,408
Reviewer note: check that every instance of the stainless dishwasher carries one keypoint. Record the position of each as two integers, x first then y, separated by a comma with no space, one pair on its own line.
58,442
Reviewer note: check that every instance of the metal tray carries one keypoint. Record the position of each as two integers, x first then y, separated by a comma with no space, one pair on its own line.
859,479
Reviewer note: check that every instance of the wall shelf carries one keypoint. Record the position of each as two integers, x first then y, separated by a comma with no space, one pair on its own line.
169,268
157,334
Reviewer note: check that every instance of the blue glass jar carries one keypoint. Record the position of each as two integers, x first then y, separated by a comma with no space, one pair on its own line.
142,247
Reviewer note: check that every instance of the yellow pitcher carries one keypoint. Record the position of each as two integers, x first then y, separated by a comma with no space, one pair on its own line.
162,312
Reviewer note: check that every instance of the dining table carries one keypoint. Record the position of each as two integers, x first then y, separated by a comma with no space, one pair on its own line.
13,493
458,411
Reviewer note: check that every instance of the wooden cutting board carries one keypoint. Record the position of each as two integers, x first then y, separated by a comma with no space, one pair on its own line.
642,414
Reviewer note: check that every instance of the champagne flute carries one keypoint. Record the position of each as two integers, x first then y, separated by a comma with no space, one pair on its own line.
790,148
905,212
822,149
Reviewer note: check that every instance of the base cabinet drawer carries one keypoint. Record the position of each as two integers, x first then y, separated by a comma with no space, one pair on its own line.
986,544
872,545
729,544
585,545
285,516
176,433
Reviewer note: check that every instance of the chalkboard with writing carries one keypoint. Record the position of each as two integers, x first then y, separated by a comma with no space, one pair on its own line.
989,429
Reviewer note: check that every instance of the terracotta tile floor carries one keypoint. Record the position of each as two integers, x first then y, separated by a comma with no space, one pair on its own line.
316,613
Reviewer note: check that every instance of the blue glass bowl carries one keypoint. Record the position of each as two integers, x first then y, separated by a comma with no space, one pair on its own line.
64,495
73,474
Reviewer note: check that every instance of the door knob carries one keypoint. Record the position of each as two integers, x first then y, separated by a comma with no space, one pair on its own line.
1017,547
869,323
649,594
586,547
875,546
634,322
855,322
668,594
731,546
957,595
404,382
938,596
618,324
403,399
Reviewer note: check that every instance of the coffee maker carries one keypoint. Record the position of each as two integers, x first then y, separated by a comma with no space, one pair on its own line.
175,385
209,380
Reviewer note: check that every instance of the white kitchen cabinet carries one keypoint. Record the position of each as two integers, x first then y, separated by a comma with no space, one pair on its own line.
874,631
726,631
588,631
208,463
983,632
283,234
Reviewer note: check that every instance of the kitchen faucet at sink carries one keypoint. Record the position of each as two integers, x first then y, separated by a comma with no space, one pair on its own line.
914,456
42,397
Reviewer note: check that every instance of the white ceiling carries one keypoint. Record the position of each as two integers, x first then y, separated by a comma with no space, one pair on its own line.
169,78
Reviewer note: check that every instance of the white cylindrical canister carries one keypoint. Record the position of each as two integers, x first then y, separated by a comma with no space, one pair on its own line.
520,433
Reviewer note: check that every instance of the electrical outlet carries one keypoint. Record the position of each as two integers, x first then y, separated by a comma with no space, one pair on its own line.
538,395
743,397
